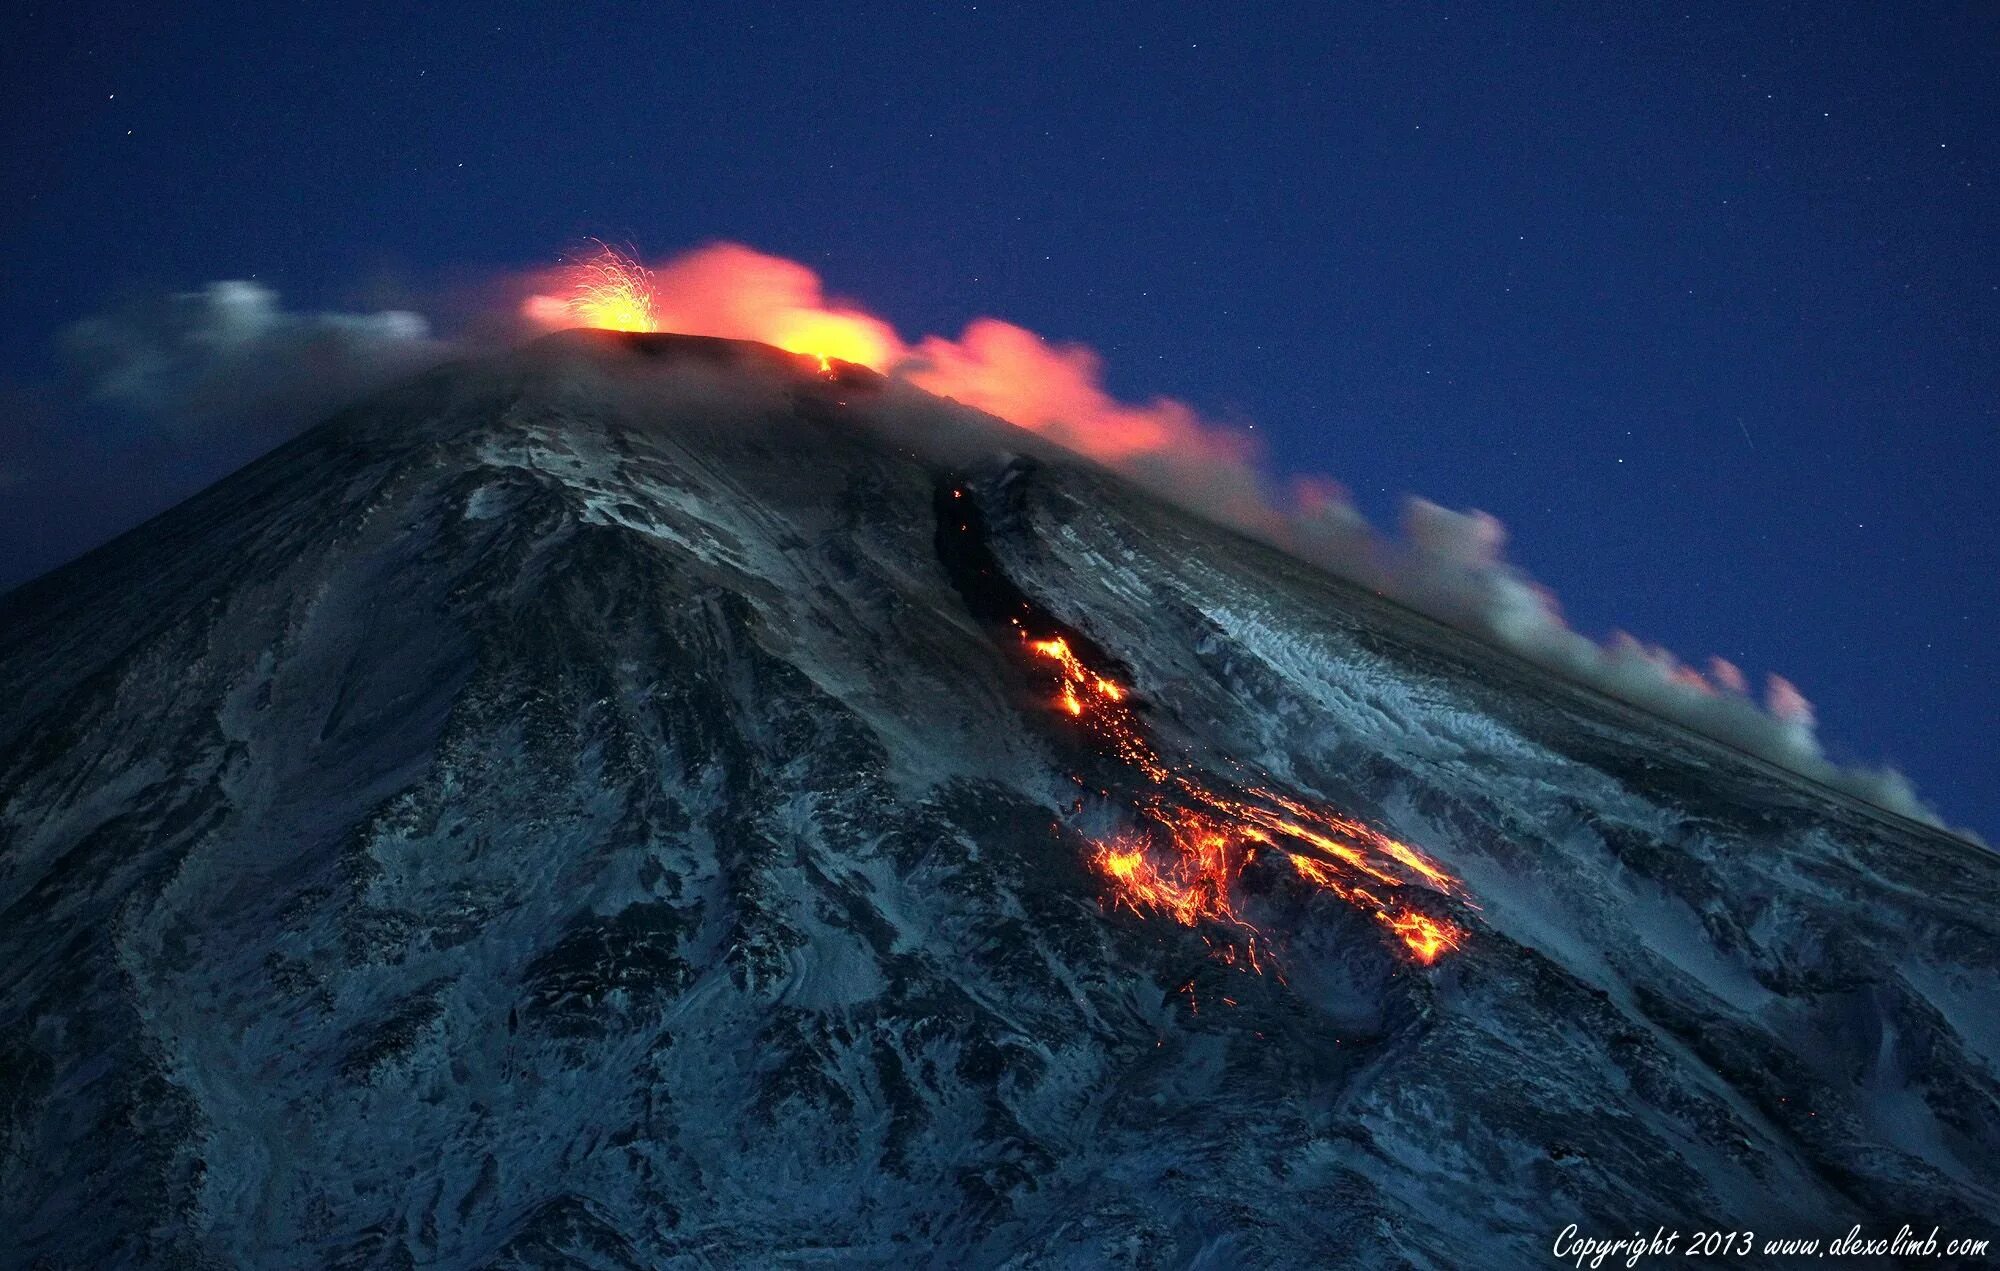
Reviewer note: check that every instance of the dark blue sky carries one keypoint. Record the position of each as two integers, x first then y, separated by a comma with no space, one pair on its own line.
1700,302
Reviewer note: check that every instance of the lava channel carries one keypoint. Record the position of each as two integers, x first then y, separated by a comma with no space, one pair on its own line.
1195,835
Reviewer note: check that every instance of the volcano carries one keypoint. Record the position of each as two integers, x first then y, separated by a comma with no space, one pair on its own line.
618,804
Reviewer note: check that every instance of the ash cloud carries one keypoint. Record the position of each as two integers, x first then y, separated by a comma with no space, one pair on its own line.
229,361
166,394
1452,566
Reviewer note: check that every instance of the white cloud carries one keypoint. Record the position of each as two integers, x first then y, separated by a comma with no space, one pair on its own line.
230,357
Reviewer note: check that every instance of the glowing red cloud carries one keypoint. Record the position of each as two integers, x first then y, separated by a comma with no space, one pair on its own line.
731,291
1786,704
1007,371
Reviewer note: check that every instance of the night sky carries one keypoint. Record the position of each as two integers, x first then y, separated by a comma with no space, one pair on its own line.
1701,302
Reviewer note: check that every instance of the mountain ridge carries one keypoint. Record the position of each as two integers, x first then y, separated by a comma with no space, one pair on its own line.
572,790
714,353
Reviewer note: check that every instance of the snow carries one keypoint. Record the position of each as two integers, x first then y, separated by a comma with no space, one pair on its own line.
565,814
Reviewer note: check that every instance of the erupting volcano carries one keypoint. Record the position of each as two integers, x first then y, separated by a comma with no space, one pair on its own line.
651,800
723,290
606,290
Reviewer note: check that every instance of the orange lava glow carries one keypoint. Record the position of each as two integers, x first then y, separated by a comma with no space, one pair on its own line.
1426,937
739,293
1197,835
721,290
1199,838
829,336
606,289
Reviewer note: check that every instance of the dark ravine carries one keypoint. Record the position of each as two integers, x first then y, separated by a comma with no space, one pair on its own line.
575,810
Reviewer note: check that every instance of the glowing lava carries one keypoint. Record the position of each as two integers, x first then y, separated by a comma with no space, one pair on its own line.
607,289
1199,837
827,335
721,290
1426,937
1080,688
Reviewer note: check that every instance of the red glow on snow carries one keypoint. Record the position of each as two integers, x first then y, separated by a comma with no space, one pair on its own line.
1199,837
1449,565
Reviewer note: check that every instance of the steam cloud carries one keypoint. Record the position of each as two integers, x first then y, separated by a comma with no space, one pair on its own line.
229,360
228,357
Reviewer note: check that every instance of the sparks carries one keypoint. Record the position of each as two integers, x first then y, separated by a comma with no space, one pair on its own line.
722,290
1426,937
606,289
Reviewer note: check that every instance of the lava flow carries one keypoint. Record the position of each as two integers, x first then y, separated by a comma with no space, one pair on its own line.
1200,838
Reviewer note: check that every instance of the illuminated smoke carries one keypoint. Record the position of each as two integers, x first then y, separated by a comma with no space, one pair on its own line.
1787,704
734,292
605,289
1011,372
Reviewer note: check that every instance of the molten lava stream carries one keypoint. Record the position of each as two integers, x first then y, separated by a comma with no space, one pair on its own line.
1199,839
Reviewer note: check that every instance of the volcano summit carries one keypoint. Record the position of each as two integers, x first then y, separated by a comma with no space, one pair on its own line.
648,801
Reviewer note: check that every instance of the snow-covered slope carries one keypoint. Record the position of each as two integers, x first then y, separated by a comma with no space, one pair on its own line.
572,811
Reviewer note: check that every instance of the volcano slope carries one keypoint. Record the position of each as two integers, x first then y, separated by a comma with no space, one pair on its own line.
591,807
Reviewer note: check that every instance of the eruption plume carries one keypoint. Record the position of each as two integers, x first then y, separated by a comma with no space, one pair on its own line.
722,290
606,289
